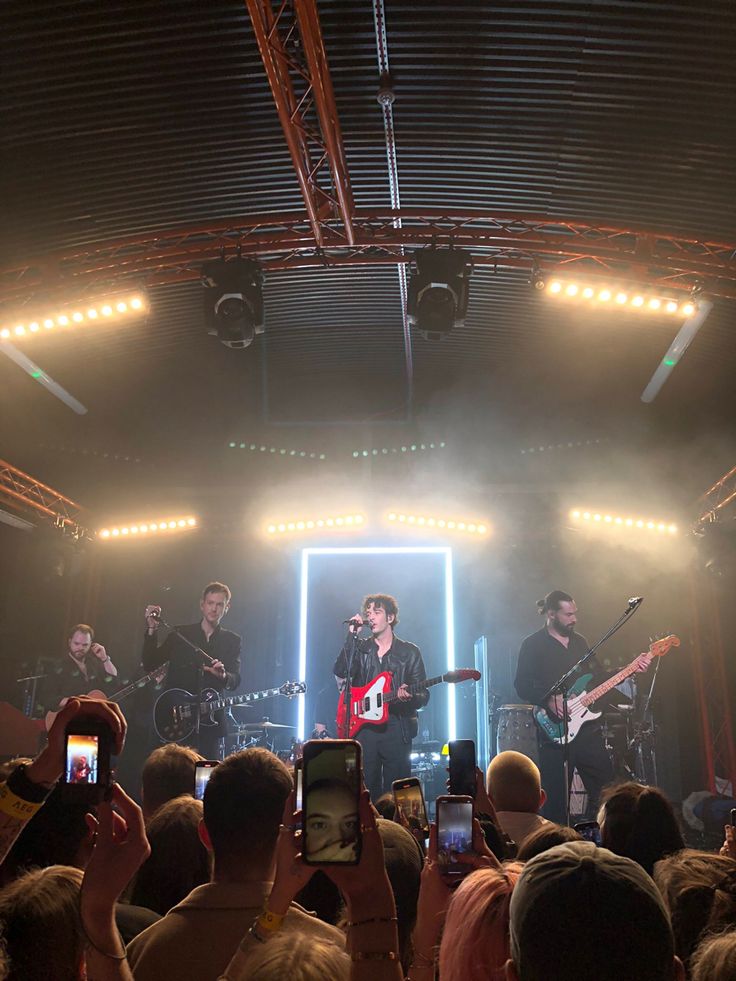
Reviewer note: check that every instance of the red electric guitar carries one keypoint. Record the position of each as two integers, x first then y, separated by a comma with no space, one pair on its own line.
369,705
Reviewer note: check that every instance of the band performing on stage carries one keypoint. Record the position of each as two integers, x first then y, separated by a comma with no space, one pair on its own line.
569,721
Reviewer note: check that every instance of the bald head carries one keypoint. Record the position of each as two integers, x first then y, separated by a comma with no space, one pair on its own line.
514,783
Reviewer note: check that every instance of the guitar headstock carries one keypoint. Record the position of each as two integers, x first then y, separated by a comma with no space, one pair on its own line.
461,674
293,688
663,644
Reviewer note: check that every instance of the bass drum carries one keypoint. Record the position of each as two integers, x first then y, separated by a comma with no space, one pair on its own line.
517,730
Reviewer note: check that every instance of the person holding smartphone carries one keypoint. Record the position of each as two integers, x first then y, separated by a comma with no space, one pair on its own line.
386,747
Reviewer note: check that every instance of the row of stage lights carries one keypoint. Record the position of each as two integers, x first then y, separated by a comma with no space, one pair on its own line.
412,448
276,450
106,310
620,297
146,528
340,522
449,524
617,521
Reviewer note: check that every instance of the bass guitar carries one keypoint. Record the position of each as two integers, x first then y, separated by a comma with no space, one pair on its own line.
175,710
369,704
154,677
580,700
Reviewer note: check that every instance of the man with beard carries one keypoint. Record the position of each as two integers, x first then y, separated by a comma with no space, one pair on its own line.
544,657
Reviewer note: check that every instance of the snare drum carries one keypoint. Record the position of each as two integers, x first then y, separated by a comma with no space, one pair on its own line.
517,730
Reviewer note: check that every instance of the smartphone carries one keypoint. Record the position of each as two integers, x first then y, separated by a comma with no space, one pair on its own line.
462,767
202,773
87,749
733,816
298,783
409,800
454,832
589,831
331,786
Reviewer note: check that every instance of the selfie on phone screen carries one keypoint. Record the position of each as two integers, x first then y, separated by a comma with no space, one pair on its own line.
82,755
331,794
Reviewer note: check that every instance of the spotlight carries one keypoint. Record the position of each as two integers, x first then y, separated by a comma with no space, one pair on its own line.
168,524
438,291
233,300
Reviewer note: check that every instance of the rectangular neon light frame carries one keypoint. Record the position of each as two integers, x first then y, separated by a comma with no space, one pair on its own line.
444,551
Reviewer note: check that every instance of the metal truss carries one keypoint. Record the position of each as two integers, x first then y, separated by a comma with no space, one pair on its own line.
719,496
24,491
287,241
293,54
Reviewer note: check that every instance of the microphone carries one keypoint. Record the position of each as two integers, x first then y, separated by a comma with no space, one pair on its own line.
356,623
635,601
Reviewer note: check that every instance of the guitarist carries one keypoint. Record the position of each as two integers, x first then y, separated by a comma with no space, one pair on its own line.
85,667
543,658
186,667
387,747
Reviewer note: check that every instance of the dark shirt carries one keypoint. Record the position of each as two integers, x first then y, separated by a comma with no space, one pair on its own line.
543,660
402,659
66,679
184,663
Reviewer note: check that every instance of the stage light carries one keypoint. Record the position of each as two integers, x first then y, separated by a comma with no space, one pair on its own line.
589,517
438,291
572,290
341,522
70,317
604,296
687,309
277,450
233,300
588,293
555,287
425,521
386,450
671,306
167,524
603,293
621,298
304,607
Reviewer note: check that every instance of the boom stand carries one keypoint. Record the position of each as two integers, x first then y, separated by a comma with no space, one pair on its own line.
562,687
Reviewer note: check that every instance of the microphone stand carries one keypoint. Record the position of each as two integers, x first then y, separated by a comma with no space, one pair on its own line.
648,731
562,686
351,649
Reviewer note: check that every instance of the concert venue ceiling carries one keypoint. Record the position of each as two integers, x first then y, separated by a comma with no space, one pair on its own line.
134,118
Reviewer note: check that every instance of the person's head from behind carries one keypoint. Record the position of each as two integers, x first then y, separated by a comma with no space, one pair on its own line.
715,959
298,957
580,911
331,821
41,926
178,861
514,783
243,805
167,773
544,838
699,889
403,859
475,941
638,821
386,806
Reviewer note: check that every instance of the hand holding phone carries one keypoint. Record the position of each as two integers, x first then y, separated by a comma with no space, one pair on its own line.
589,831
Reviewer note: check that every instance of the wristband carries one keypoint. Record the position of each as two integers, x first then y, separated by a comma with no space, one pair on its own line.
270,922
374,919
15,807
22,786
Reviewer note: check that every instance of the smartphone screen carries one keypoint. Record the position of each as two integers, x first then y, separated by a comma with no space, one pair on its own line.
733,815
589,831
331,785
409,800
454,832
462,767
298,783
82,763
202,773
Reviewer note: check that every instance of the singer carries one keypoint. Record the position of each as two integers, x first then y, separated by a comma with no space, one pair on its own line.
387,747
543,658
187,669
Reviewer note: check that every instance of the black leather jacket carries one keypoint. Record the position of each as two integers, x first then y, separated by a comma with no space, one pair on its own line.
405,663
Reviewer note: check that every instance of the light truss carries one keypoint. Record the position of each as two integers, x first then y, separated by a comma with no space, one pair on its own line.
286,241
23,491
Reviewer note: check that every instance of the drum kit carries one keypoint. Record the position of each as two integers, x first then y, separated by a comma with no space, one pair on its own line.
246,735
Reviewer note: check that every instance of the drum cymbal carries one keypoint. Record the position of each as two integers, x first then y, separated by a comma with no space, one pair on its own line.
265,725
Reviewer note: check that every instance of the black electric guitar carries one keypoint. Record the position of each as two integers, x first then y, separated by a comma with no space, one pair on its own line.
154,677
175,711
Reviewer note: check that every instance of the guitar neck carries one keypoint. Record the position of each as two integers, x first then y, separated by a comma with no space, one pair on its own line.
221,703
389,696
592,696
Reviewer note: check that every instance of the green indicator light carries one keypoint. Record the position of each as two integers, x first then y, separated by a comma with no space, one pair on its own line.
669,362
36,374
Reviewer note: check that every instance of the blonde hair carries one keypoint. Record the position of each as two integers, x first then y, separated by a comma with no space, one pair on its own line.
41,927
514,782
715,958
299,957
475,942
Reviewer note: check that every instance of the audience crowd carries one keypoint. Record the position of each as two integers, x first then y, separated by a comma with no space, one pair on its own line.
217,890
